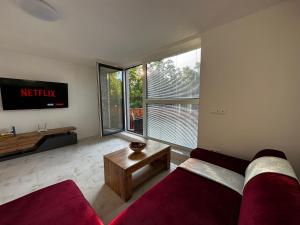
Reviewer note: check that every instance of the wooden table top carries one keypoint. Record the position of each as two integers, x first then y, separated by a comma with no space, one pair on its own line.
27,141
127,158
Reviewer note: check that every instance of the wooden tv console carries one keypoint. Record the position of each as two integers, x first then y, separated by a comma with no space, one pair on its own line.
28,143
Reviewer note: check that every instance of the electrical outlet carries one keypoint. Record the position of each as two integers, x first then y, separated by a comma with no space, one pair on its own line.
219,111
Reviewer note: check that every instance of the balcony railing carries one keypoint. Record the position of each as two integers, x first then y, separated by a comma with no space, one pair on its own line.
136,120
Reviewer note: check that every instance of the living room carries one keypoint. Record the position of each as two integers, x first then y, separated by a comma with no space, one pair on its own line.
211,81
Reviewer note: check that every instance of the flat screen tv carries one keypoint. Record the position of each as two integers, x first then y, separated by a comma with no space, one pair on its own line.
28,94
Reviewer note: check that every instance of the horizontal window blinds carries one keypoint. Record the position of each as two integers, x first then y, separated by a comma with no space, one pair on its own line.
172,87
177,124
174,77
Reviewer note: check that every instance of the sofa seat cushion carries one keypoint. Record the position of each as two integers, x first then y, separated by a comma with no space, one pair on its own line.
62,204
183,198
271,199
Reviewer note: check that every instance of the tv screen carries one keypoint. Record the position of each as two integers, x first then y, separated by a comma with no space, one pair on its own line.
28,94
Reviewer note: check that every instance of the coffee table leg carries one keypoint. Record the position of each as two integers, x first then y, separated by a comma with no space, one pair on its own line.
125,185
168,159
163,162
118,179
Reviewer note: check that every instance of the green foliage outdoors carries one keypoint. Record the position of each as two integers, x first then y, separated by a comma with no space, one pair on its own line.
115,88
135,88
170,72
171,76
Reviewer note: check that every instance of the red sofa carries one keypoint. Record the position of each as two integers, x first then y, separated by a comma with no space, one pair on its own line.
59,204
182,198
270,198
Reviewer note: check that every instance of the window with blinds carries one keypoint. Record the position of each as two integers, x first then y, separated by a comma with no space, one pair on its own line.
173,99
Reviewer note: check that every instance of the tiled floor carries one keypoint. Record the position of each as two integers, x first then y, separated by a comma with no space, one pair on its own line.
82,163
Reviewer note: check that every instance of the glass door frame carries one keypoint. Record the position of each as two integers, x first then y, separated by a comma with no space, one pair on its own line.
99,65
126,100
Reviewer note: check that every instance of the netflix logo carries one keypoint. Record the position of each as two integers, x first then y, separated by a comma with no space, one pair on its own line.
31,92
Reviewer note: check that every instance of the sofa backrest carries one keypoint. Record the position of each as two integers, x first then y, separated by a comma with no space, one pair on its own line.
232,163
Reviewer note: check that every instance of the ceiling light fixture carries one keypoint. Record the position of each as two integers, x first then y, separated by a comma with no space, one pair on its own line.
39,9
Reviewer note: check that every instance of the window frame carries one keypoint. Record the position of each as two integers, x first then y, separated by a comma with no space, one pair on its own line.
127,103
164,101
99,89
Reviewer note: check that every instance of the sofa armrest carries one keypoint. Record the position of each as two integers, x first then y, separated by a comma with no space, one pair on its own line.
235,164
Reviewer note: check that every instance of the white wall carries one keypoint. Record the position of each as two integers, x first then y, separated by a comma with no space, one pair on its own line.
251,67
82,83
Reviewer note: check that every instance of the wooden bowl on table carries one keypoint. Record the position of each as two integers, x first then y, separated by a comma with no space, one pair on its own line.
137,146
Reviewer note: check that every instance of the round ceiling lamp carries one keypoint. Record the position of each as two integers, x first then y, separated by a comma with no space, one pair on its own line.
39,9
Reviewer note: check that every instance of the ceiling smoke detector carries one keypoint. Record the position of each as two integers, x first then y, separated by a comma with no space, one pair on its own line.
39,9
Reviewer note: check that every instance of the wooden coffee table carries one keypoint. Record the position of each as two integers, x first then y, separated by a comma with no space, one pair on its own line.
124,170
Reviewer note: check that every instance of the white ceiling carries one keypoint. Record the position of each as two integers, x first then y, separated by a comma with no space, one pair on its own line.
116,31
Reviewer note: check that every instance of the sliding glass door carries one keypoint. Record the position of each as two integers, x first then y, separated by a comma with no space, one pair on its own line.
134,90
112,99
